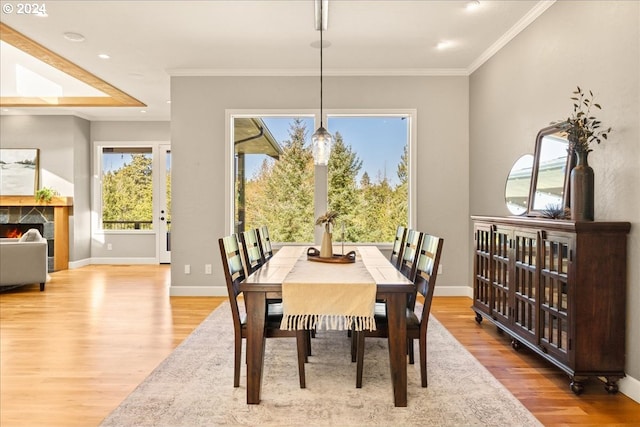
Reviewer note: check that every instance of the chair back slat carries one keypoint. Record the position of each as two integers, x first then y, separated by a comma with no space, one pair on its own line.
427,272
265,243
398,246
251,250
410,254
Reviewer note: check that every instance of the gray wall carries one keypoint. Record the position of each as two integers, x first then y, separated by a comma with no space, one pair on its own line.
528,84
198,107
64,165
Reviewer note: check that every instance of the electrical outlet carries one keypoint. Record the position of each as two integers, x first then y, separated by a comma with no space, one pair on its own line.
207,269
109,246
187,269
439,268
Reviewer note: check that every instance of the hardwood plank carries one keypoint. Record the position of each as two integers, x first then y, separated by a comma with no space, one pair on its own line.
71,354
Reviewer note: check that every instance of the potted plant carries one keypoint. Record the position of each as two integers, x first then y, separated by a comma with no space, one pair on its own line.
45,194
328,219
583,128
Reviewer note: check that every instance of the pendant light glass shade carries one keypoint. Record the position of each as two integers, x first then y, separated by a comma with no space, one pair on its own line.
321,140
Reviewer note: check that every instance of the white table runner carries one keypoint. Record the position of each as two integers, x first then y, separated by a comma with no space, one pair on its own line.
328,295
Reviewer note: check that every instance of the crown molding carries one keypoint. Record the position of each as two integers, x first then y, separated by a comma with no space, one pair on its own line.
374,72
523,23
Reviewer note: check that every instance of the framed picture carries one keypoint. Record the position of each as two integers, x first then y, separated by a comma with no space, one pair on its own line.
19,171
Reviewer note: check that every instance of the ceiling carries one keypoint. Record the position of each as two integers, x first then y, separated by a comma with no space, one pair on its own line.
150,41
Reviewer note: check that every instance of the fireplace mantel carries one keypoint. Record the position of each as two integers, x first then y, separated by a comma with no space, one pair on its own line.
61,209
31,201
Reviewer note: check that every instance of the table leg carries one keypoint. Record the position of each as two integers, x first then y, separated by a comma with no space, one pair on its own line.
396,304
256,313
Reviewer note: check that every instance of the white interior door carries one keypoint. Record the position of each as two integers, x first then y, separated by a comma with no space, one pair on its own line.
164,213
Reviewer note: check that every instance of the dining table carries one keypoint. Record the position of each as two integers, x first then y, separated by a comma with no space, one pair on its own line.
267,284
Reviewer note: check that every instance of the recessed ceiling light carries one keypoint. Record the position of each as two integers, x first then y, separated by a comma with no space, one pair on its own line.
445,44
169,102
74,37
473,5
143,111
103,56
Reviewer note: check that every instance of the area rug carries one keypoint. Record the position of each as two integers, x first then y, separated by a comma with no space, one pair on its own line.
194,386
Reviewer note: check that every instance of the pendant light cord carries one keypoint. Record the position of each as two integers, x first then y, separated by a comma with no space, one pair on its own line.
321,47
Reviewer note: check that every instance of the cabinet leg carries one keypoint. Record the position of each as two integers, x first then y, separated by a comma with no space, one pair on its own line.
611,385
576,386
515,344
478,318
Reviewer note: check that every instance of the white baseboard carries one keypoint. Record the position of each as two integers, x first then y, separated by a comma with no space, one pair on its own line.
631,387
80,263
198,291
121,261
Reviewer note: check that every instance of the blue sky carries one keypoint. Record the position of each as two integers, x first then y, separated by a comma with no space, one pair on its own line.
378,141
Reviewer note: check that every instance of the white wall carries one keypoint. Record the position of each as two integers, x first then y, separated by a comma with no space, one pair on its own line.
527,84
198,107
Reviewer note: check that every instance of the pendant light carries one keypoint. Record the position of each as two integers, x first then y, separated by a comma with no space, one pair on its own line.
321,140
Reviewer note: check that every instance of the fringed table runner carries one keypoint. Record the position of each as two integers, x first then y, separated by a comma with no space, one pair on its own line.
330,296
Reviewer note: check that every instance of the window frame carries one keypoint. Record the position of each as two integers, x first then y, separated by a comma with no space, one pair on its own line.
99,146
320,171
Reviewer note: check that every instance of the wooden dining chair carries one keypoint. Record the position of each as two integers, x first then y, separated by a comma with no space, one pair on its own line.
266,251
251,250
398,246
234,273
428,261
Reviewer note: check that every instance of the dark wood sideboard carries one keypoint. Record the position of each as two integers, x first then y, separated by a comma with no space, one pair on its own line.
557,287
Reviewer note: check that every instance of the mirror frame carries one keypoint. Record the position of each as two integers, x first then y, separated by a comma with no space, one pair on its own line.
549,130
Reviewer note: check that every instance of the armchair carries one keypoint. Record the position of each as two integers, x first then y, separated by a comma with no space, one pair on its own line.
23,261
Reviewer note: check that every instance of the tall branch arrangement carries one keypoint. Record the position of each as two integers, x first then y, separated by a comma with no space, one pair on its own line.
582,126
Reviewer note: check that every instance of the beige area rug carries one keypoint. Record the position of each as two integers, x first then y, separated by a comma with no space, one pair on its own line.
194,386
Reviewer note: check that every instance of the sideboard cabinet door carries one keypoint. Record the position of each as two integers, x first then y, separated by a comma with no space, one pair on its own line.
556,252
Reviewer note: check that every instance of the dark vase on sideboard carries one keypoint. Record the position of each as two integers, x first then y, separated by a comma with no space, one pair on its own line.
582,188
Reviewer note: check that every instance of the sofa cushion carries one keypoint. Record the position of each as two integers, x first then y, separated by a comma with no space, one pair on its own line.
32,235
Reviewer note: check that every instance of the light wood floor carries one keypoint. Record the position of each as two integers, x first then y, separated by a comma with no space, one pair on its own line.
71,354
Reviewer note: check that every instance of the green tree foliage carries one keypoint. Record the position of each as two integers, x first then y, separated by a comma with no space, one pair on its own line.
281,193
343,168
127,192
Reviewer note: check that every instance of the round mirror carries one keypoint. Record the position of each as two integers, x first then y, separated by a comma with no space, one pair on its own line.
516,191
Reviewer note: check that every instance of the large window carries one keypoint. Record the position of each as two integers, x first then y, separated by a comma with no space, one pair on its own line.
127,188
367,178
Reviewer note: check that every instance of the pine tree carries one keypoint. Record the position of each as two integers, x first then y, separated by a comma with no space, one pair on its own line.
343,168
288,204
